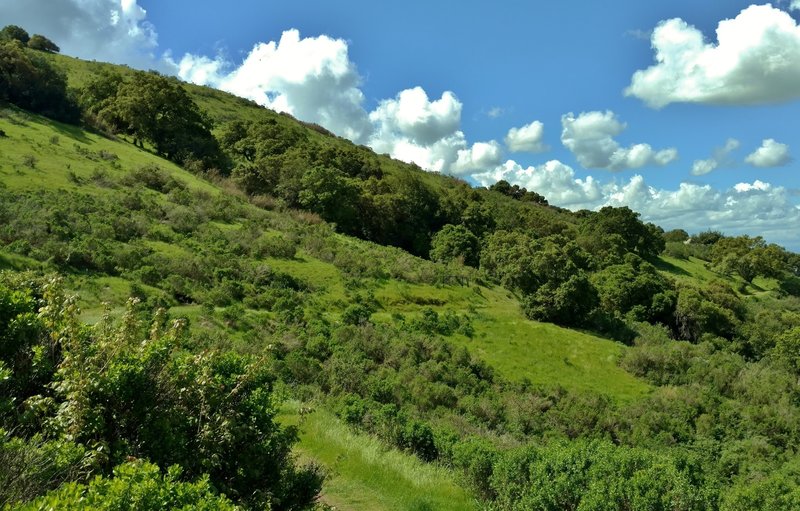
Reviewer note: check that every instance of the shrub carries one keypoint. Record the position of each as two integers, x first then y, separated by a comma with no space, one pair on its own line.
274,245
138,486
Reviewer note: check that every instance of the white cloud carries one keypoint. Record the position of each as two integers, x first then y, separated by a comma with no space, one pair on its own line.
590,137
756,60
481,156
495,112
770,154
412,128
413,116
107,30
528,138
721,158
555,180
748,187
795,5
745,208
311,78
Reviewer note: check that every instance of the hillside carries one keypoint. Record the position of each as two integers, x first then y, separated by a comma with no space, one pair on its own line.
520,341
73,164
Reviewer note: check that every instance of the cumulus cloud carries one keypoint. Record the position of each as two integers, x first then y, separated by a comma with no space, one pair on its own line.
770,154
555,180
414,116
311,78
721,158
590,137
755,60
744,208
481,156
412,128
314,79
528,138
109,30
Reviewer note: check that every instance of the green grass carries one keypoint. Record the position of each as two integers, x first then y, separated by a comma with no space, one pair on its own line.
324,278
40,154
16,262
65,158
692,269
518,348
698,272
365,475
548,354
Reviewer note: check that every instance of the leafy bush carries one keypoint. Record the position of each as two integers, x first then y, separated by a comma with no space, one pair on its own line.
274,245
135,486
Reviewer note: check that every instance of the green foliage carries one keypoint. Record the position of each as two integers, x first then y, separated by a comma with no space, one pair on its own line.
518,193
636,288
643,239
331,195
678,250
278,303
41,43
31,82
716,310
455,242
776,492
30,468
154,109
565,303
676,236
14,33
549,273
595,476
707,237
127,393
135,486
787,349
748,257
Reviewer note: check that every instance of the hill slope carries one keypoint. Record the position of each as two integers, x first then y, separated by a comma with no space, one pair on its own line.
404,375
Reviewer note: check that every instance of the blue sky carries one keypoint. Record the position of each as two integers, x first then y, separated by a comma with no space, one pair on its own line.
703,140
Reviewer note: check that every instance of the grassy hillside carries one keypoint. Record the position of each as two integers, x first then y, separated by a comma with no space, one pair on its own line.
43,158
68,159
365,475
214,300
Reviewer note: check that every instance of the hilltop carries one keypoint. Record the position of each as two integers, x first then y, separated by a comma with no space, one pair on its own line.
460,342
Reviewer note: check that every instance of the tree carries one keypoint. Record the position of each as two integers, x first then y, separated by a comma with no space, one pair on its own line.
565,303
14,33
331,195
643,239
478,218
714,309
676,235
516,192
455,242
748,257
636,287
135,485
156,109
31,82
41,43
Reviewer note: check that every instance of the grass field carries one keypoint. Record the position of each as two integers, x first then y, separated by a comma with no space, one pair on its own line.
518,348
40,154
365,475
697,271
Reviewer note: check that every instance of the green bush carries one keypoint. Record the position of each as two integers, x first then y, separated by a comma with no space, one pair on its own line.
135,486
